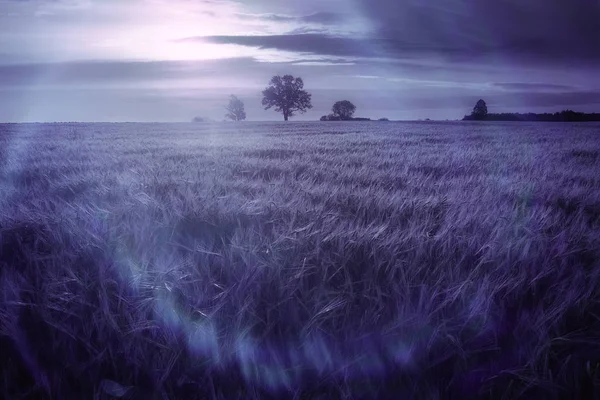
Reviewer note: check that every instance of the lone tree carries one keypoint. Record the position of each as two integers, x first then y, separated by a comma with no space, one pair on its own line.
480,110
286,95
344,110
235,109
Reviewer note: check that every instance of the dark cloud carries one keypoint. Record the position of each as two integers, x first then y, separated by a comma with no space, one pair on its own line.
324,44
532,31
322,18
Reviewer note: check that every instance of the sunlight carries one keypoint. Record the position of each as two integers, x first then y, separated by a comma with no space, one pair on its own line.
154,31
147,46
161,43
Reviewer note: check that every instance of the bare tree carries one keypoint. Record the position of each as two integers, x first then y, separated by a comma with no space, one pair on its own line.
235,109
286,95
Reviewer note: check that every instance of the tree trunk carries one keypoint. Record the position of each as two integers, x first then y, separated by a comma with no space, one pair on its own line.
285,116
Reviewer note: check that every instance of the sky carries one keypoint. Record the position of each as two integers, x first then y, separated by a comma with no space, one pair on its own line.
173,60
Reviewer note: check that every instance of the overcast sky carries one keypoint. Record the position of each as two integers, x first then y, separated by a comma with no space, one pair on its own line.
171,60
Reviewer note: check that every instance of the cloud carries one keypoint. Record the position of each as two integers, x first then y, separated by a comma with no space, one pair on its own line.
124,73
322,18
528,32
526,53
538,87
308,30
559,99
322,63
324,44
314,43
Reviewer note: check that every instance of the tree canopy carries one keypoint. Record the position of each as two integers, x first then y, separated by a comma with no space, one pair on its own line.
344,109
480,110
286,95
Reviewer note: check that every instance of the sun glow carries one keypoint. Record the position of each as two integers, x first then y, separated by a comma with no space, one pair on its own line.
163,41
147,46
151,30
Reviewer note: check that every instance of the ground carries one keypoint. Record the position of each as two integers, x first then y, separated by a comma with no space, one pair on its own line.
301,260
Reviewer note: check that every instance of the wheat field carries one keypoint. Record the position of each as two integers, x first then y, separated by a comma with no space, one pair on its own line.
349,260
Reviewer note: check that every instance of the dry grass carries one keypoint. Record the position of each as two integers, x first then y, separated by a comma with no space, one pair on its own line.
351,260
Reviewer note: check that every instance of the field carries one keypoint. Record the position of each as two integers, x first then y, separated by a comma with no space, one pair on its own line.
301,260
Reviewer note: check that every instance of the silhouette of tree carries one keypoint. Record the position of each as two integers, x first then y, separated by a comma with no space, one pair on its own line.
285,94
563,116
235,109
343,109
480,110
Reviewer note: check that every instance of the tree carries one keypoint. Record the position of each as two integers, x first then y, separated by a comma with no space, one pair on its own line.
480,110
235,109
344,110
285,94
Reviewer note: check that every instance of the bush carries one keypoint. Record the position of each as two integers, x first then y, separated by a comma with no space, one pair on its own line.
330,117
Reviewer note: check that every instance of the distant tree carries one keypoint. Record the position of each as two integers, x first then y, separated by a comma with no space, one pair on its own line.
198,119
344,109
480,110
286,95
384,119
235,109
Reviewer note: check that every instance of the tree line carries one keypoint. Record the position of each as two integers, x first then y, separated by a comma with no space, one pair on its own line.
480,113
286,95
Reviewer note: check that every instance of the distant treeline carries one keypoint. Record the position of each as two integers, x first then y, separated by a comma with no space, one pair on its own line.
563,116
338,118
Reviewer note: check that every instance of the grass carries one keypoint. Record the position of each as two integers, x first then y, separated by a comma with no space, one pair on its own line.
367,260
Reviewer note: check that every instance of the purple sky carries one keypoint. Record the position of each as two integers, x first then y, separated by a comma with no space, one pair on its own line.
171,60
